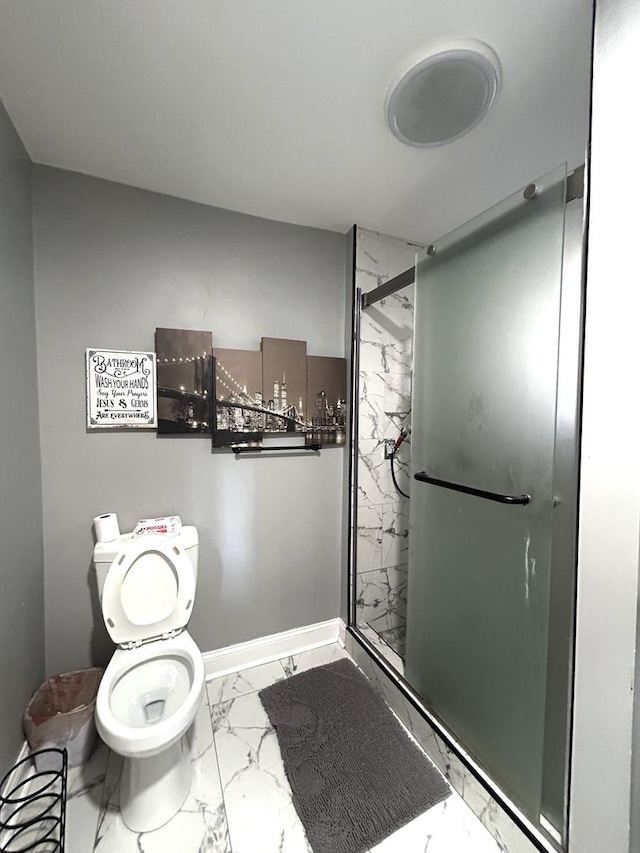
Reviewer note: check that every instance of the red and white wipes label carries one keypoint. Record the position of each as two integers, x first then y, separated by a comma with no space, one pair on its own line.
168,524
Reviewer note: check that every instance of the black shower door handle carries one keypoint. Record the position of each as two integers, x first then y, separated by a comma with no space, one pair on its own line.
521,500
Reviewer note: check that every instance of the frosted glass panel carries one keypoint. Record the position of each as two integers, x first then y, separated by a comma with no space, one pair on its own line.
484,410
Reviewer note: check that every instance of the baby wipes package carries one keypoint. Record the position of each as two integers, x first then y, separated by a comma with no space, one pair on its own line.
169,524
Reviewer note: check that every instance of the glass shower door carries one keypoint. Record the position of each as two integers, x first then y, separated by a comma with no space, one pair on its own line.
487,319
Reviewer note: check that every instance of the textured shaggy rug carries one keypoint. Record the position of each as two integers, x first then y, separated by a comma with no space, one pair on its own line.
355,774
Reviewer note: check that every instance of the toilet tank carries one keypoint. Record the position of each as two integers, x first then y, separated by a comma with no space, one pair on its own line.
105,553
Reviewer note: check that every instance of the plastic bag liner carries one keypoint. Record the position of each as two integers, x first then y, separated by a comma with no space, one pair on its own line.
61,713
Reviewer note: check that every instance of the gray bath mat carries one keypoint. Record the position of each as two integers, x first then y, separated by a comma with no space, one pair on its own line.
355,774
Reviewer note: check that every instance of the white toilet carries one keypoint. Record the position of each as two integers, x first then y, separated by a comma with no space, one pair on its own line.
153,686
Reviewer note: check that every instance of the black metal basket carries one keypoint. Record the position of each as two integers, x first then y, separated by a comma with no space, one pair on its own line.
33,804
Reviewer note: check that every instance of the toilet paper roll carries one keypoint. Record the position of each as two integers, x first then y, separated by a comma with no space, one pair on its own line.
106,527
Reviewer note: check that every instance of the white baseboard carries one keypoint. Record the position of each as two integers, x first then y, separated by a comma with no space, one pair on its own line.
275,646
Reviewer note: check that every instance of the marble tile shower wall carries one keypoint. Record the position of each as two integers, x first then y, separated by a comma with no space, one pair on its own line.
386,359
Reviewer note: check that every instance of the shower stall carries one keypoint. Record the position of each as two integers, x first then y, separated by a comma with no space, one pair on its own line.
466,370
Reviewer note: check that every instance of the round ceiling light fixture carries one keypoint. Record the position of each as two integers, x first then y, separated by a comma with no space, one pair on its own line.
445,95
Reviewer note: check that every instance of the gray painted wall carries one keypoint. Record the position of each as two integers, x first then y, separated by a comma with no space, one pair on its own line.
111,264
21,599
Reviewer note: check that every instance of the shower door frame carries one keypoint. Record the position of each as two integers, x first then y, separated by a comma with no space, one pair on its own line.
565,517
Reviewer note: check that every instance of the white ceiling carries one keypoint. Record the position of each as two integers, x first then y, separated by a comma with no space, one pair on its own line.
276,107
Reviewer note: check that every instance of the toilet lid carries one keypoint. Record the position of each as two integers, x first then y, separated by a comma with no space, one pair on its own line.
148,590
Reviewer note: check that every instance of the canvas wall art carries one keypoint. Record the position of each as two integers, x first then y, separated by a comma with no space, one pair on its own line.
278,390
240,396
185,379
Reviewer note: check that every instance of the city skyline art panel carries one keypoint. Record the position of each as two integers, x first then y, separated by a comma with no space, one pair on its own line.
326,395
298,394
238,400
183,361
284,378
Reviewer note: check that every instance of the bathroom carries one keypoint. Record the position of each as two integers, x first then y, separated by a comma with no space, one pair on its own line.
90,261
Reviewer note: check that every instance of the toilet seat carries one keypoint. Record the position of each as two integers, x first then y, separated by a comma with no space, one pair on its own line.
143,742
148,591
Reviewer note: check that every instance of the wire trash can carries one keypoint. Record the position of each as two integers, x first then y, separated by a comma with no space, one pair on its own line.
33,805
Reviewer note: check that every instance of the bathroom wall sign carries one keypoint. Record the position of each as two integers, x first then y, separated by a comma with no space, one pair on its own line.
121,389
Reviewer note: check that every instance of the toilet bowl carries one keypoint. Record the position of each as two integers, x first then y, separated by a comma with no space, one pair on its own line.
153,686
150,695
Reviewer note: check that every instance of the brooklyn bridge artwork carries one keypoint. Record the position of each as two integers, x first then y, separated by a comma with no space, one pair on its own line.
239,396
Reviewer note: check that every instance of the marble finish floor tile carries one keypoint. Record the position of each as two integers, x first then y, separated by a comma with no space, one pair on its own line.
240,800
246,681
449,826
84,792
243,736
261,813
257,796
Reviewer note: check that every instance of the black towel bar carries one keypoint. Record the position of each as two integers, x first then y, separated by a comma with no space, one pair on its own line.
240,448
521,500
